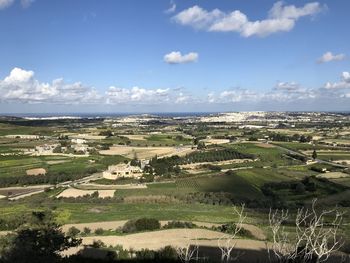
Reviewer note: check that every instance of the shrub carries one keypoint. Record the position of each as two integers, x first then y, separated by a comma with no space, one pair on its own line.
86,230
99,231
300,188
141,224
73,231
167,252
98,244
179,224
230,228
145,254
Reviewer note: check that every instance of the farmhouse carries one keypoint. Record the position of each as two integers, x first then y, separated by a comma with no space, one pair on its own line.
122,170
78,141
45,149
37,171
80,148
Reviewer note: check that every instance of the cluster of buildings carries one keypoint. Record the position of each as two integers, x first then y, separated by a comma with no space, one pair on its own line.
45,149
122,171
79,145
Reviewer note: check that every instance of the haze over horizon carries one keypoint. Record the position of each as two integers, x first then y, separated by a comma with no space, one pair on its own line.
174,56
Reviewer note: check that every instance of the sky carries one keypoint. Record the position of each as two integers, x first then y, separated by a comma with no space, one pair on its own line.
174,55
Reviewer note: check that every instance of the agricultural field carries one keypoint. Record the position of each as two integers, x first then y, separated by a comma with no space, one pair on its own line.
190,172
146,152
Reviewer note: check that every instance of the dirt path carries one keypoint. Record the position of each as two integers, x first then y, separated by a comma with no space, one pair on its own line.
93,186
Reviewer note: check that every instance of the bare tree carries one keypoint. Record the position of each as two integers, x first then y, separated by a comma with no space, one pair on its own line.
189,250
228,242
313,239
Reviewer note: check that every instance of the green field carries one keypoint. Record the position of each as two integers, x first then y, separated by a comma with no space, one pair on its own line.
297,146
240,184
17,165
267,156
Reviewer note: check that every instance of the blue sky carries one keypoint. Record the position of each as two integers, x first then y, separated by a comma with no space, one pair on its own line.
148,56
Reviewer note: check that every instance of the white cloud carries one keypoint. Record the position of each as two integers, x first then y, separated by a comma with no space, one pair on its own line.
21,86
344,83
288,86
182,98
197,17
176,57
211,97
6,3
328,57
238,95
278,11
171,9
280,18
116,95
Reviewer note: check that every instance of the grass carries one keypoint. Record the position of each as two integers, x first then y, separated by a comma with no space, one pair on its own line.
241,184
342,181
11,129
298,146
267,156
89,212
151,140
17,165
334,156
81,213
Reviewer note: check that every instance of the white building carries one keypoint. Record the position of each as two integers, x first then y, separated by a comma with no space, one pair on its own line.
122,170
80,148
78,141
45,149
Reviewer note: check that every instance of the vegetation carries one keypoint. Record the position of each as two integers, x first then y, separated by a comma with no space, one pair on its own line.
141,224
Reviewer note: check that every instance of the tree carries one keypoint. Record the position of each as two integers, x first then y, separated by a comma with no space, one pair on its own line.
86,230
314,154
73,231
58,149
316,235
228,241
200,145
40,241
95,194
188,251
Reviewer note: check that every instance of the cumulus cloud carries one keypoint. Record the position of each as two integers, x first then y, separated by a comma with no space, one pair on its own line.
288,86
139,95
171,9
182,98
21,86
286,92
6,3
328,57
176,57
238,94
344,83
280,18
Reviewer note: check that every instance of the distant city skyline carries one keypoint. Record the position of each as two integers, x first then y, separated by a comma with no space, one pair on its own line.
174,56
